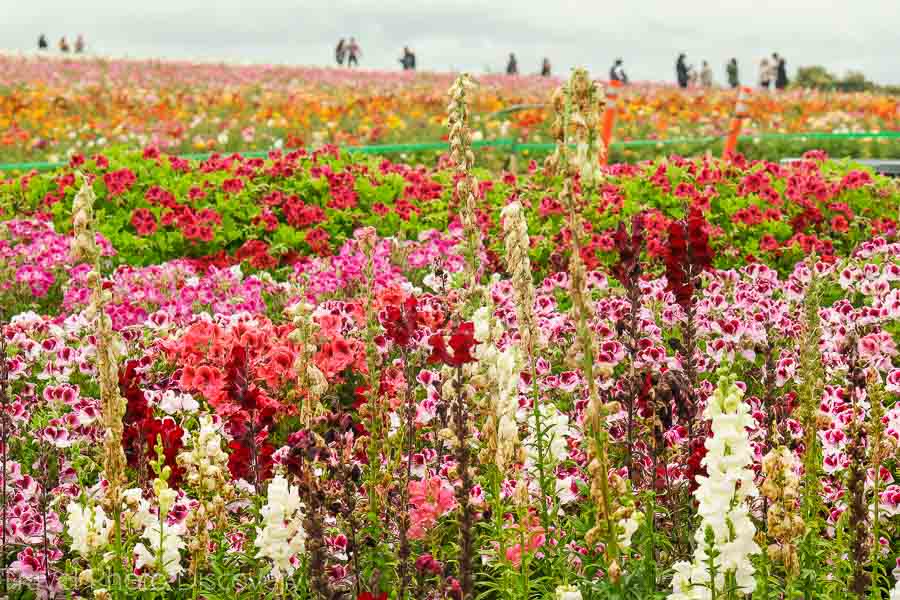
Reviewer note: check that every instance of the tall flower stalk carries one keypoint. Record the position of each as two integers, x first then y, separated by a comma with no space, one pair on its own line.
784,525
374,409
109,349
4,440
810,395
881,448
311,383
577,107
466,186
515,229
856,476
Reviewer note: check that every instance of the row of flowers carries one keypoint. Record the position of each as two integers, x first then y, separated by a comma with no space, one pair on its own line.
51,109
158,207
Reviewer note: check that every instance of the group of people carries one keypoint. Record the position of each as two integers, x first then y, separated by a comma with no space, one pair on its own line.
512,68
64,47
349,51
772,71
688,76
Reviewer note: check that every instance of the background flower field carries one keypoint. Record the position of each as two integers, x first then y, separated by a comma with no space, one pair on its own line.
322,374
52,108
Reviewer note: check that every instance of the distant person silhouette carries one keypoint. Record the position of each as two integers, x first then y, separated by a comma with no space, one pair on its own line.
765,73
512,67
353,53
682,71
731,69
545,68
340,52
42,42
706,75
408,60
79,44
63,44
617,72
781,78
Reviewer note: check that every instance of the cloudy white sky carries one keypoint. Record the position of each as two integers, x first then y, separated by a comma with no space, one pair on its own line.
478,35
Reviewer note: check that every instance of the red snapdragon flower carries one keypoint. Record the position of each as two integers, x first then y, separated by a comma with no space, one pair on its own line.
400,321
688,254
461,343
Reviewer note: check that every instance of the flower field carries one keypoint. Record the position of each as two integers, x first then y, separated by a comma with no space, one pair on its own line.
327,375
50,109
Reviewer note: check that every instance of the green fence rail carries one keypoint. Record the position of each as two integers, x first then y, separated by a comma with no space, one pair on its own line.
516,146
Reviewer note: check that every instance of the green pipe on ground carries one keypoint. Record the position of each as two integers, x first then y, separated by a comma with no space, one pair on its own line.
514,146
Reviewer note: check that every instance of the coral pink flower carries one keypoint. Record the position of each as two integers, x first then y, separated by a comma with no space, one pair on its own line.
431,499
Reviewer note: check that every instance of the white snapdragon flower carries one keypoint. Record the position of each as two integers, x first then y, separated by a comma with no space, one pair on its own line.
137,508
628,527
173,402
557,429
895,593
481,320
722,501
282,536
163,549
568,592
88,527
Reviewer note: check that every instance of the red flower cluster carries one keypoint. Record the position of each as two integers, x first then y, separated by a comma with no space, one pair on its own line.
144,221
256,252
461,343
687,256
119,182
400,321
142,431
318,241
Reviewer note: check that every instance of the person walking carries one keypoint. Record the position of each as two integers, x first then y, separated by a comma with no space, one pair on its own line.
765,73
408,60
63,45
42,42
617,72
706,75
353,53
512,67
340,52
545,68
79,44
732,71
682,71
781,78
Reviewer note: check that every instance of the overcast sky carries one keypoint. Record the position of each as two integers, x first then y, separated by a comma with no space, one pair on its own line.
478,35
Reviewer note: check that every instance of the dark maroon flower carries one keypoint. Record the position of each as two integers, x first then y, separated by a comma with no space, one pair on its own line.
400,321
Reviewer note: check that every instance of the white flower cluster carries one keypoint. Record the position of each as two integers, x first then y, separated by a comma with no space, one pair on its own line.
88,527
172,402
504,368
627,528
162,552
206,464
282,536
556,429
567,592
722,498
163,549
